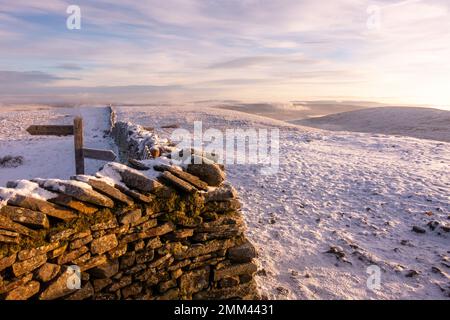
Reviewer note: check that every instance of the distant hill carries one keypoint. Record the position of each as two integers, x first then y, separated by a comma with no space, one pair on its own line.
423,123
295,109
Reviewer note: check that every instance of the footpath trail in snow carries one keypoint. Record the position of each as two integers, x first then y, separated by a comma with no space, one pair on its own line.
45,156
357,194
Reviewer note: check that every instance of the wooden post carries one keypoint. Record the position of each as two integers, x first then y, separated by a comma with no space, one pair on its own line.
77,131
78,140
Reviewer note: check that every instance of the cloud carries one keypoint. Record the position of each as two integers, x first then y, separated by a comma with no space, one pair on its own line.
241,62
300,48
16,77
69,66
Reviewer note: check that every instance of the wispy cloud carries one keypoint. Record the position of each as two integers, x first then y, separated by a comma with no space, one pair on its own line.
69,66
8,78
242,62
252,49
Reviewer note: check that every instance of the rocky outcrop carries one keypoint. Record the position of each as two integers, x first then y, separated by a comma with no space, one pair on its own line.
161,232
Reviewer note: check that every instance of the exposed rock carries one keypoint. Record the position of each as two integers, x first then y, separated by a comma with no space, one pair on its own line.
117,252
72,255
134,194
138,268
411,273
418,229
110,191
137,165
194,281
93,262
211,246
181,234
11,285
175,274
127,260
242,290
153,236
235,270
85,292
283,291
145,226
145,256
130,238
30,253
158,262
62,235
224,222
211,173
59,288
166,285
136,180
158,231
226,233
42,206
9,239
121,283
104,244
24,292
131,290
189,178
110,224
154,243
172,294
433,225
82,259
437,270
229,282
70,202
47,272
223,193
77,191
242,253
58,251
7,261
337,251
106,270
176,182
8,224
20,268
75,244
100,284
130,216
223,206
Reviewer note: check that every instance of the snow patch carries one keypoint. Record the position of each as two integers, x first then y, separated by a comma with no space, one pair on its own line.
59,185
144,138
27,189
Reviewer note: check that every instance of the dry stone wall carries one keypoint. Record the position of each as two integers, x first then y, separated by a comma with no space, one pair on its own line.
160,232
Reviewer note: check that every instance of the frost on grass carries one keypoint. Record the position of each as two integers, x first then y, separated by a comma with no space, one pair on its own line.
11,161
355,195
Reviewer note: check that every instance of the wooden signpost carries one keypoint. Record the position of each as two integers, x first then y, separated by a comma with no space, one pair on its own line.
77,131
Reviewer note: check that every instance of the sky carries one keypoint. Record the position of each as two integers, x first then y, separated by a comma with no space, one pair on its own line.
395,52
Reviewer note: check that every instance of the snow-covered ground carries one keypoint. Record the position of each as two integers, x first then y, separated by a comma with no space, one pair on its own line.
362,193
47,156
423,123
359,193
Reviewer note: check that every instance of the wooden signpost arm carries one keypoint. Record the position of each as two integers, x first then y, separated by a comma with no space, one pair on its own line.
80,152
